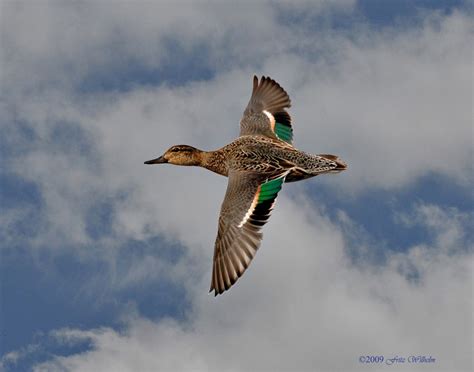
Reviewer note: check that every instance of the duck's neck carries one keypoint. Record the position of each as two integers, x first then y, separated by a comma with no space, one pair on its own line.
214,161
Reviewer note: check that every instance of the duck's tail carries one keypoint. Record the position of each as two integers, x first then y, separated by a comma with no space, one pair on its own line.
317,164
340,165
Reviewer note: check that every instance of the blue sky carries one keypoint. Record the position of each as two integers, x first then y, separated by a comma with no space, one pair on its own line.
105,263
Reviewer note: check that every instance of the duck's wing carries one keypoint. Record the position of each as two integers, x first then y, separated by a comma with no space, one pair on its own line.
265,113
247,205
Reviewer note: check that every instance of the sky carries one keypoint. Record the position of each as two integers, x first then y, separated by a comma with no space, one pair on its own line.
105,263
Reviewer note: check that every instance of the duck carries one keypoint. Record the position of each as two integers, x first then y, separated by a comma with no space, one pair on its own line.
257,164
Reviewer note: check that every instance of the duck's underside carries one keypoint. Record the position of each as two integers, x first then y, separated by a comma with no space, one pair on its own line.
298,174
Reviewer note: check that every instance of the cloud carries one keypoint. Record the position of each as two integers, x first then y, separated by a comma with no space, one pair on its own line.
303,306
394,104
84,40
11,359
391,131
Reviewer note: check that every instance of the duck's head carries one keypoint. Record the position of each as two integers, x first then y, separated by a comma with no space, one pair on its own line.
179,155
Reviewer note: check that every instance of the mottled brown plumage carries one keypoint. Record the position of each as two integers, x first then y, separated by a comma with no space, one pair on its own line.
257,163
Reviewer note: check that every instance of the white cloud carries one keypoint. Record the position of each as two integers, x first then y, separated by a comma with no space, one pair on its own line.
10,360
450,225
75,40
303,306
395,105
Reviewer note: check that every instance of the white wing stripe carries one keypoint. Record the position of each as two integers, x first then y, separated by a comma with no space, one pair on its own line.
271,118
250,210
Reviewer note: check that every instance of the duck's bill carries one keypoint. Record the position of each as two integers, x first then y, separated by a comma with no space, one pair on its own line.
159,160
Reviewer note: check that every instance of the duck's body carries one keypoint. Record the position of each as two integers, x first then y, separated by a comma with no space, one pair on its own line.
266,156
257,163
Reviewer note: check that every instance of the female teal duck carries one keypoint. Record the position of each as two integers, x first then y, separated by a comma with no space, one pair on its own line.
257,163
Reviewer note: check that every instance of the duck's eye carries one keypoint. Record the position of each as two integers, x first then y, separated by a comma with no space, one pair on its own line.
174,149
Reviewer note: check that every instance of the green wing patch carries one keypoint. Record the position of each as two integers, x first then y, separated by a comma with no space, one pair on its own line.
284,132
270,189
266,198
283,128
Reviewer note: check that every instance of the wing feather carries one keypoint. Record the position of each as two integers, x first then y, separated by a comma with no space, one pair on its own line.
237,242
266,111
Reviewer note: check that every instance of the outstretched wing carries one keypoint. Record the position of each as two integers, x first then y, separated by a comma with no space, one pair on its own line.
265,113
247,205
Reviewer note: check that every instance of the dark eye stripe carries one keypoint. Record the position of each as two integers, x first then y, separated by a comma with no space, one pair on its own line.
180,149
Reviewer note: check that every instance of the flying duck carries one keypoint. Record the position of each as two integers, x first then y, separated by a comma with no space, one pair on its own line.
257,164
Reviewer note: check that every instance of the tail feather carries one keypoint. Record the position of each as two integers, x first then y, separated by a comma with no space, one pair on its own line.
340,164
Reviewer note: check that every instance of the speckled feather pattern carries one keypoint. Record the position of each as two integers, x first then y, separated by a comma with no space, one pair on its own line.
267,156
257,163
